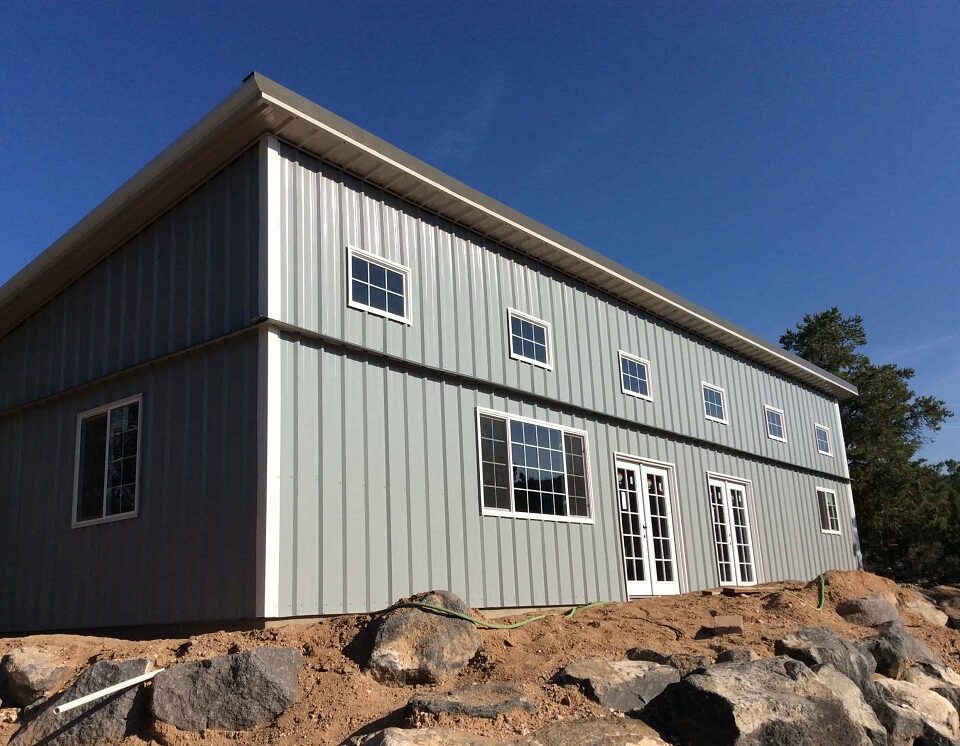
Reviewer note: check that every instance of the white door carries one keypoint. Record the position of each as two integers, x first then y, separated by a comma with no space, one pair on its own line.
731,532
646,529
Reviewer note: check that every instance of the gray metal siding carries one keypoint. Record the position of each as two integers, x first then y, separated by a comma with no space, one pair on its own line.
189,276
380,497
190,555
462,285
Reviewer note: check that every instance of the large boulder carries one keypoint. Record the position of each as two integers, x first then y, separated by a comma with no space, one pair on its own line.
921,609
935,711
625,686
27,673
895,650
940,679
685,663
229,692
815,646
416,646
853,700
102,722
485,700
597,732
869,611
769,702
426,737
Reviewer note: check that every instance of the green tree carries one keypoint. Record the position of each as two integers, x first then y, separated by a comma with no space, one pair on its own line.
908,511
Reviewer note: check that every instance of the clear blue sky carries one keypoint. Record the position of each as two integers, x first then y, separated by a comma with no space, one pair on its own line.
763,159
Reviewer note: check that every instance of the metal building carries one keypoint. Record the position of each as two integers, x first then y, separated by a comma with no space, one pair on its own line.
289,370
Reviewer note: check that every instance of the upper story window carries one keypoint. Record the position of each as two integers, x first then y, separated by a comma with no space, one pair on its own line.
824,445
107,463
635,376
714,407
532,469
776,428
829,516
529,339
378,286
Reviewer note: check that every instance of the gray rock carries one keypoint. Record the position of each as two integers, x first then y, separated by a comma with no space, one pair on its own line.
936,712
102,722
414,646
685,663
921,608
27,673
486,700
953,616
853,701
940,679
895,650
229,692
737,655
769,702
426,737
817,645
597,732
869,611
625,686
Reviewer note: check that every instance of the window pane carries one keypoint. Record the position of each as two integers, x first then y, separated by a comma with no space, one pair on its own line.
359,269
378,276
395,304
360,293
378,298
539,335
394,282
93,446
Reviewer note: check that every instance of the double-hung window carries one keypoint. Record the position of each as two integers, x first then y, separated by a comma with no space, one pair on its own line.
776,427
829,516
107,463
635,376
529,339
822,435
714,407
532,469
378,286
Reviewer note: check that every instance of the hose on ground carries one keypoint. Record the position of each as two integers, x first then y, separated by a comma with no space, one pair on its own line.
483,623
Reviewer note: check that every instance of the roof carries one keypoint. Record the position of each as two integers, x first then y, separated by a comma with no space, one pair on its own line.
260,105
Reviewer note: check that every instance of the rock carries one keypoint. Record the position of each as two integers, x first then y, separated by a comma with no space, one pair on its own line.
895,650
769,702
685,663
953,616
940,679
102,722
853,702
869,611
414,646
486,700
27,673
923,610
8,715
426,737
598,732
934,710
818,645
737,655
229,692
724,624
625,686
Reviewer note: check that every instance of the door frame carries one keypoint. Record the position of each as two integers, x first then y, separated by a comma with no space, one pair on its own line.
680,554
758,569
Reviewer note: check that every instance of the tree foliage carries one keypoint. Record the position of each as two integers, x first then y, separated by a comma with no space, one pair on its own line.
908,510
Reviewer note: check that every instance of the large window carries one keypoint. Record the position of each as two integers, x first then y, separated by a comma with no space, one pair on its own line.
635,376
776,429
378,286
713,404
532,469
829,516
823,440
108,461
529,339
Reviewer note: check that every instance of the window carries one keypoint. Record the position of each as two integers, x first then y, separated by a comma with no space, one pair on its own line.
532,469
732,536
823,440
713,407
829,517
378,286
776,429
635,376
529,339
108,463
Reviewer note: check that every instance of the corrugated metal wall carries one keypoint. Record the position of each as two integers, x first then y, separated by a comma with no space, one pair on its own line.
190,554
189,276
380,497
462,285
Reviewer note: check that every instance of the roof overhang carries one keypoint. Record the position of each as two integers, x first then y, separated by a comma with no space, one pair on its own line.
261,105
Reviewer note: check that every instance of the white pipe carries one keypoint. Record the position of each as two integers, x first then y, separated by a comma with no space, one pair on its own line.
60,709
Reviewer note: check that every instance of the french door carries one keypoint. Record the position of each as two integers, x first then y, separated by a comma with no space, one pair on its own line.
646,529
731,532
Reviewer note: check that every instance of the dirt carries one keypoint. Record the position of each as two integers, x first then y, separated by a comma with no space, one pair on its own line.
338,700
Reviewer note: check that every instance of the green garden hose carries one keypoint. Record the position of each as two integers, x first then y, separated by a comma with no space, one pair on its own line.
822,594
483,623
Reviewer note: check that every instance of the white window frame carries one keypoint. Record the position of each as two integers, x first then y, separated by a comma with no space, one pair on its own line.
367,256
621,355
499,513
723,399
511,312
816,440
74,523
783,423
753,529
836,506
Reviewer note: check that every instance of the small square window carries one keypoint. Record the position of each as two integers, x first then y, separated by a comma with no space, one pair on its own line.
635,376
378,286
829,515
823,440
529,339
713,405
776,428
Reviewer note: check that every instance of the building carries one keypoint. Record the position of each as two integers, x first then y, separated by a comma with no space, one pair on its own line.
289,370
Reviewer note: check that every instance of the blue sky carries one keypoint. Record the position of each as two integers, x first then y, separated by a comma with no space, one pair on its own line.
763,159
